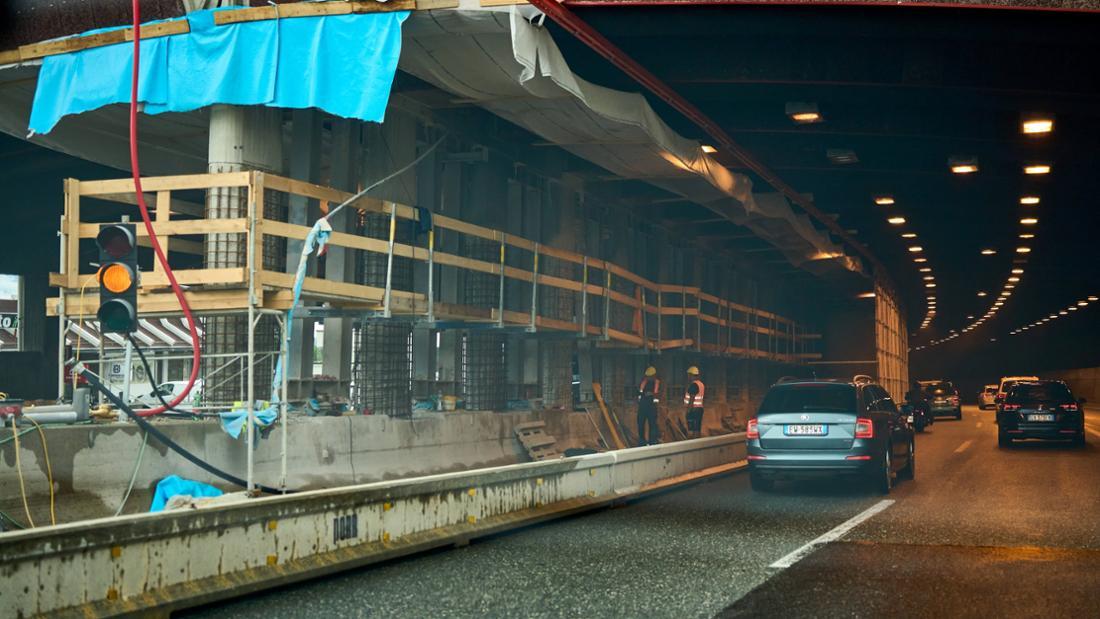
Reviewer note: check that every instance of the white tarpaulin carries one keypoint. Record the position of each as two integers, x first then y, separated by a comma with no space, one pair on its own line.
513,68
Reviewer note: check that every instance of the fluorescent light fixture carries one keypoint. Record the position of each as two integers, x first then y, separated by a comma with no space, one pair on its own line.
1062,313
930,285
707,148
1014,279
1029,200
1027,236
1023,250
909,235
897,221
929,278
963,165
1038,168
920,259
1036,126
926,269
988,252
1018,271
1092,298
916,248
1029,221
981,293
803,113
884,200
866,295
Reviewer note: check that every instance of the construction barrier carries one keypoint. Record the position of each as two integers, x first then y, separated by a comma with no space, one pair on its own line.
177,559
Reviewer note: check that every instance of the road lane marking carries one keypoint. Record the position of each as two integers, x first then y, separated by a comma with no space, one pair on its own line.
962,448
834,534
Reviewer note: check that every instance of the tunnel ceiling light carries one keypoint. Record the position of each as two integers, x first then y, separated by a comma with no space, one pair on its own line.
803,112
866,295
708,149
920,259
909,235
1010,286
1018,271
1029,221
1072,308
930,285
1092,298
1062,313
1082,303
1023,250
1014,279
897,221
929,278
1038,168
926,269
970,317
981,293
963,165
1037,126
1027,236
916,248
1029,200
988,252
884,200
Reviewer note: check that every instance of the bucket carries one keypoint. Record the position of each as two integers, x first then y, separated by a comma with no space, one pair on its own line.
450,402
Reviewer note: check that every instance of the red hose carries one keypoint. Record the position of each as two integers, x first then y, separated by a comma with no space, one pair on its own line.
195,354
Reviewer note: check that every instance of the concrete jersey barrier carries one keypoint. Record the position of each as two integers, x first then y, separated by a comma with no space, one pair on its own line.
177,559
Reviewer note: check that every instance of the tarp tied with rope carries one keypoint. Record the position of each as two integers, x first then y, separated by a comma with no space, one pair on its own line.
342,64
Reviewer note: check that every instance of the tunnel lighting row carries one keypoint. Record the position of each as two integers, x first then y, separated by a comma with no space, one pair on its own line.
927,278
1031,126
1073,307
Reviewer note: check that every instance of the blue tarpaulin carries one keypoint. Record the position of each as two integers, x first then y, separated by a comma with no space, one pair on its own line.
342,64
174,485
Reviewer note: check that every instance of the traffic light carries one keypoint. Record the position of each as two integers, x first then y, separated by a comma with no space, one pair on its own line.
118,278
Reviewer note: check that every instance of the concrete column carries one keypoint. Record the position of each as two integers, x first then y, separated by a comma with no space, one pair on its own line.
338,262
240,138
305,161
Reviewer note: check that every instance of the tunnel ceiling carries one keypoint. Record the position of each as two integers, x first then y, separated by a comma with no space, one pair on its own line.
905,89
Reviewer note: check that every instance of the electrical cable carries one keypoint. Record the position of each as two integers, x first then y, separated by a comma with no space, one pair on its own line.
385,178
5,516
49,469
153,240
144,424
133,476
19,469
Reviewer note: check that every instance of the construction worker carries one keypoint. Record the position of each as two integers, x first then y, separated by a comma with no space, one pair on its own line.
649,393
693,400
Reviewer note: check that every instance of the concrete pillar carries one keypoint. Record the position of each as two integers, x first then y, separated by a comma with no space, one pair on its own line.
339,265
241,138
305,162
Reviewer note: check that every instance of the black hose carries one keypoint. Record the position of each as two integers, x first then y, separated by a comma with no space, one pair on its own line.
94,381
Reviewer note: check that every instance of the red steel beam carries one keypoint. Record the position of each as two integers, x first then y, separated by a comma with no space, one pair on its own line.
588,35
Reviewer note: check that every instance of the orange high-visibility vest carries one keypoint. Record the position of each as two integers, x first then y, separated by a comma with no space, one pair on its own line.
656,385
697,401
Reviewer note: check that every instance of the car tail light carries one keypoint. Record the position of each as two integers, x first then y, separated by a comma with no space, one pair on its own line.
864,428
954,400
1069,407
1010,407
857,458
756,457
753,430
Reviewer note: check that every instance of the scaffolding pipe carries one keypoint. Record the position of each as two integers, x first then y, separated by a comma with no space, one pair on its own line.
535,290
386,310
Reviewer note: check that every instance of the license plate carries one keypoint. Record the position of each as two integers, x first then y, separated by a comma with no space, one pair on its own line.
816,429
1041,417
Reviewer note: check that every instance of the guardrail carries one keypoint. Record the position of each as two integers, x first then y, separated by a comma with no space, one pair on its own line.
178,559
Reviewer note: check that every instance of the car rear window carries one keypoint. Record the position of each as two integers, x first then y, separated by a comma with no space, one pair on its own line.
1040,392
940,388
991,390
798,398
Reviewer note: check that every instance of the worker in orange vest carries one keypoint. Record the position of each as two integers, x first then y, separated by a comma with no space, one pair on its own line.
649,393
693,400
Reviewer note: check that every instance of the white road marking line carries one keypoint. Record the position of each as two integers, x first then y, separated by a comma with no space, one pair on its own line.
831,536
962,448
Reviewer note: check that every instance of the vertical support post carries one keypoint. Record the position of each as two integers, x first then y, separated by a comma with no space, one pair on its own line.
500,294
252,247
641,309
431,274
535,290
606,303
660,315
584,296
387,298
699,320
284,406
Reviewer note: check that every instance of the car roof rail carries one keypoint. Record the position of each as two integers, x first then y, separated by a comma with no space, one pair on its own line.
861,379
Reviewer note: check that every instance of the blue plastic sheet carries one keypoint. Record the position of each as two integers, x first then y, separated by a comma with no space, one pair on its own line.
174,485
342,64
233,421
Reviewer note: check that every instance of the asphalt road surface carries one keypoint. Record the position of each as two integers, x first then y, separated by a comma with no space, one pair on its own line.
981,532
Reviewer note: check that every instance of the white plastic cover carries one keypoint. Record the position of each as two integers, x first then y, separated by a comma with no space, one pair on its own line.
502,60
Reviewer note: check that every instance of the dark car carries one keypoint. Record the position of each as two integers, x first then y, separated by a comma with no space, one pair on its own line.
816,428
1044,409
943,398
